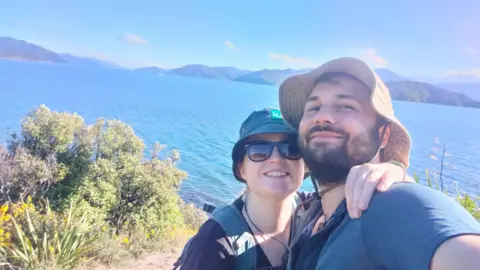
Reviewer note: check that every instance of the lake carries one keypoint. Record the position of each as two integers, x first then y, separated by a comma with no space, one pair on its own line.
201,118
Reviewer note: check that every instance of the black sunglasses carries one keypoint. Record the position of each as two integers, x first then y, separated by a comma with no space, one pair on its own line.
261,151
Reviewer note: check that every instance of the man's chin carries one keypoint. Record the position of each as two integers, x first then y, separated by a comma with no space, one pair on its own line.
321,150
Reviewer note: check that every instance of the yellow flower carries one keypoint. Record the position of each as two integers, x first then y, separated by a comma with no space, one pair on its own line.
104,228
125,240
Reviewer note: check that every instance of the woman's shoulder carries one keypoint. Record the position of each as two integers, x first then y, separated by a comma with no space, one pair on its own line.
209,248
211,229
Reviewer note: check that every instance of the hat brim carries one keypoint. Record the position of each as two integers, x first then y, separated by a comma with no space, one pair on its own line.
295,90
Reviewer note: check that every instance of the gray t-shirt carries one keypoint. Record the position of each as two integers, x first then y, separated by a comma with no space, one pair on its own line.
401,229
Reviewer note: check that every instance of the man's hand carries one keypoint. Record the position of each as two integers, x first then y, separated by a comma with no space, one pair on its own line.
363,180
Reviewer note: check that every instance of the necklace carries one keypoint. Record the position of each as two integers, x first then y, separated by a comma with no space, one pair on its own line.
258,229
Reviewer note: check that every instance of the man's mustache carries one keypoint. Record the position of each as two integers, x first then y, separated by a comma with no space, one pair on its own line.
328,128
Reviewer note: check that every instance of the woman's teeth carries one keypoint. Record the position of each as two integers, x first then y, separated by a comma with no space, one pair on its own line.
276,174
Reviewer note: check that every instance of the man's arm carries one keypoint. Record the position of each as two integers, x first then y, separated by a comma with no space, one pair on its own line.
412,226
461,252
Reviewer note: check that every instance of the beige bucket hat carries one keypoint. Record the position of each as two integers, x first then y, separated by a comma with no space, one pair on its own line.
295,90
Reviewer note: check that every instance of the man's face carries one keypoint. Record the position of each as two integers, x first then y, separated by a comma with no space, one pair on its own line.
338,129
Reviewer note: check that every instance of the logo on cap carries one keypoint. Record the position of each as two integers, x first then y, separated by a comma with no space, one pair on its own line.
275,114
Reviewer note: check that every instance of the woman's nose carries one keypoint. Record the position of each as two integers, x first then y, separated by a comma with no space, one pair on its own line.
276,156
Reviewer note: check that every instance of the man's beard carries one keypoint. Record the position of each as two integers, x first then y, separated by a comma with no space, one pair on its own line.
330,166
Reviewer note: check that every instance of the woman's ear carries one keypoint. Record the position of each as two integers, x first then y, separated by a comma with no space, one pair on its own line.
241,170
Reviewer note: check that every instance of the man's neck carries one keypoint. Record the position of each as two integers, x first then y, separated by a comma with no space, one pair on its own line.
332,199
270,215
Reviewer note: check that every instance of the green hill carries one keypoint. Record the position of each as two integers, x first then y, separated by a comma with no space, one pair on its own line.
428,93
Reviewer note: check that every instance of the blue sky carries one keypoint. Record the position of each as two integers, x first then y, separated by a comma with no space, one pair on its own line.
410,37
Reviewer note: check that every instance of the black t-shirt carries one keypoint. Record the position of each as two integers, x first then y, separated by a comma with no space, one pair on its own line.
210,248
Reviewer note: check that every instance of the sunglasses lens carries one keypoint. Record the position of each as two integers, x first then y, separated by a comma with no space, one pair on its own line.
259,151
290,150
262,151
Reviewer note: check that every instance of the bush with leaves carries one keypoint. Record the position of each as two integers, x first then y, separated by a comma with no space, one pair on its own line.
45,239
101,170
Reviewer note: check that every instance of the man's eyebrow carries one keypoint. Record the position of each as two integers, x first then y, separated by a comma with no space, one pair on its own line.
344,96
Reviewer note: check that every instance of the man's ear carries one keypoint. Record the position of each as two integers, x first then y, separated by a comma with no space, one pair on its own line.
385,130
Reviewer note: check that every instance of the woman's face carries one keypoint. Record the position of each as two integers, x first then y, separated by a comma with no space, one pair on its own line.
276,175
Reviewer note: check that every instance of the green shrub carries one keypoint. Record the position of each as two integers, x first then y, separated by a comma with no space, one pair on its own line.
46,239
129,202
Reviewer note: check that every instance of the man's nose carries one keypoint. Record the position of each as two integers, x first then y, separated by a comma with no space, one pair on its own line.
324,115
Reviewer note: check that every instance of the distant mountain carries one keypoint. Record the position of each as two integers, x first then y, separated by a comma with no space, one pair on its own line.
276,76
470,89
202,71
151,70
87,61
388,76
428,93
269,76
11,48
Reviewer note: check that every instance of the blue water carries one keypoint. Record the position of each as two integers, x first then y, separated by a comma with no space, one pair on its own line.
201,117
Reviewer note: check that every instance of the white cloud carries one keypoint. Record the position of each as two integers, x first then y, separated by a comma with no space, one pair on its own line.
372,57
133,39
471,50
304,62
230,45
464,73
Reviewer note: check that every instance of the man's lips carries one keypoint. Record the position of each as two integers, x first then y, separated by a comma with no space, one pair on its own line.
325,135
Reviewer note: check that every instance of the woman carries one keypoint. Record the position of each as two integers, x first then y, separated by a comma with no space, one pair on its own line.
254,231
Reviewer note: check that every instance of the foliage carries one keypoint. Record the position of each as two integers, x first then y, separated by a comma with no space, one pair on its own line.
126,201
45,238
9,211
192,217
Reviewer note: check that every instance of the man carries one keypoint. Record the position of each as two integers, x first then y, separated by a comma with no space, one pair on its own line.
345,118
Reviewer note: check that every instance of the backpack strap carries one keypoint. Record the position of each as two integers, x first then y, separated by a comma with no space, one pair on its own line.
238,233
